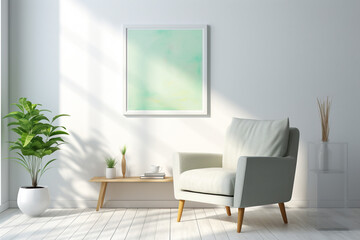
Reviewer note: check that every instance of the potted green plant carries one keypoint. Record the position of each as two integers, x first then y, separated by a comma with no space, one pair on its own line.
110,170
38,138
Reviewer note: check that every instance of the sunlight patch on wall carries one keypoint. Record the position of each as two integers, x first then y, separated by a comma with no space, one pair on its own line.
91,91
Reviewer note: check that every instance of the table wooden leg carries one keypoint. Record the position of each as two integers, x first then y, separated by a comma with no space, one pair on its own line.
103,195
100,197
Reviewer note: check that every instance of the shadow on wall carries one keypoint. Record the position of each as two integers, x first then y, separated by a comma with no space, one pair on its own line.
104,111
80,161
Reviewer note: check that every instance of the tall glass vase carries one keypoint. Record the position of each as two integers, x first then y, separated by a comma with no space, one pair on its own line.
323,158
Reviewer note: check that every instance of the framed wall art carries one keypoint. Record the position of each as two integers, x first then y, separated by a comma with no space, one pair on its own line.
165,70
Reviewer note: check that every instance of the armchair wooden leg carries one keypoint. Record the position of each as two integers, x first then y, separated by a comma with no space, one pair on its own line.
283,212
181,207
241,212
228,211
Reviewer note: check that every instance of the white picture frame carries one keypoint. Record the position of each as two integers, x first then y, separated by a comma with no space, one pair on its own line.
128,108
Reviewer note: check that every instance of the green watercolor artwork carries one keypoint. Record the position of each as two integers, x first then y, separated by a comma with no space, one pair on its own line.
165,71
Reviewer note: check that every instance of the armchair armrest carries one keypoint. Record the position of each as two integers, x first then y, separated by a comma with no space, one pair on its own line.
187,161
263,180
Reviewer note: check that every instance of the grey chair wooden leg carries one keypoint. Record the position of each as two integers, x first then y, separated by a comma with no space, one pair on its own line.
241,212
283,212
228,211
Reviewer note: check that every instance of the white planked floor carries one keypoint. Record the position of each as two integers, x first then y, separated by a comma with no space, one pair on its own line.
209,223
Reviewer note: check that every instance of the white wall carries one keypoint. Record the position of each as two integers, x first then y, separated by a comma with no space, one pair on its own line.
267,60
4,178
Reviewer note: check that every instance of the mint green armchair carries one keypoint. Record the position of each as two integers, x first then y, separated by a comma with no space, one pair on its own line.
257,168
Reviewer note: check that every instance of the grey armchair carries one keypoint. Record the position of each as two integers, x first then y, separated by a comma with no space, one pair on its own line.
257,168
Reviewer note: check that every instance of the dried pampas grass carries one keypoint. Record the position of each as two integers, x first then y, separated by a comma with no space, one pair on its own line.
324,109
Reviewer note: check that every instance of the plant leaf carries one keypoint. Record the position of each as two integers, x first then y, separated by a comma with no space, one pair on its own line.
60,115
52,141
21,163
58,133
39,118
25,123
47,164
22,101
19,106
17,115
14,147
17,130
41,128
13,123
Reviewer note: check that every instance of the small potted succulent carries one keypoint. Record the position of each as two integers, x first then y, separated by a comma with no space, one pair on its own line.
110,170
38,138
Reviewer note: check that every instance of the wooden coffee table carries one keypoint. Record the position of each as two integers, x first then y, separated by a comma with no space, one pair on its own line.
104,181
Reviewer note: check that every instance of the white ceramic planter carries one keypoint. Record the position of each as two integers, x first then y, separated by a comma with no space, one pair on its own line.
33,201
110,173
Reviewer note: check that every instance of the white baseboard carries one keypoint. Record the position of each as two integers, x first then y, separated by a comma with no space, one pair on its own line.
4,206
353,204
326,204
296,204
120,204
167,204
